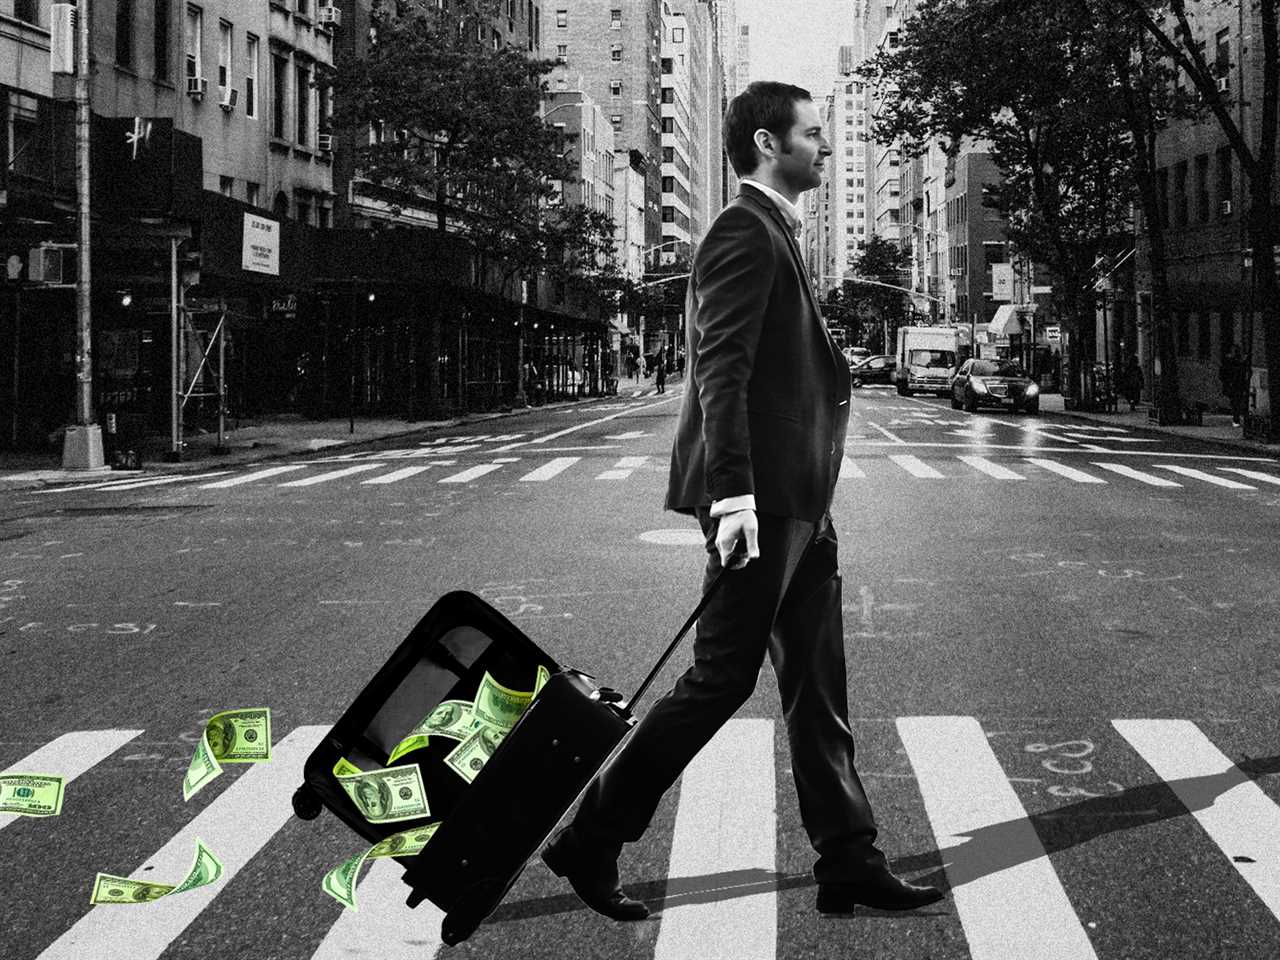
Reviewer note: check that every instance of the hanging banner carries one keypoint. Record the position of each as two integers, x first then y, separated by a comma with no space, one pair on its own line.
261,246
1002,282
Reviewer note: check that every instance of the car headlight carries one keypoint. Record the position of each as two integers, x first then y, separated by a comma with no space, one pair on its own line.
1032,390
978,385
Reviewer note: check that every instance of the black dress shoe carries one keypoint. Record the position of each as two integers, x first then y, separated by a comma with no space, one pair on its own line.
594,878
881,890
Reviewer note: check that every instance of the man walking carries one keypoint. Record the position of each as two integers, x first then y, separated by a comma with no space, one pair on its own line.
756,457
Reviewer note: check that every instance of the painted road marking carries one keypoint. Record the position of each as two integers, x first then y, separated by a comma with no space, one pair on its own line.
402,474
106,485
1206,477
850,470
235,826
332,475
251,477
162,480
1147,478
1232,809
471,473
551,469
69,756
990,468
1071,473
1006,892
915,466
623,468
1254,475
729,837
382,918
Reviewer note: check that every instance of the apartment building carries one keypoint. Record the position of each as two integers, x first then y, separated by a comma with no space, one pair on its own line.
681,149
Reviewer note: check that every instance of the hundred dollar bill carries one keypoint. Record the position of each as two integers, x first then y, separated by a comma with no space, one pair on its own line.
386,796
31,794
205,869
498,705
541,680
340,882
453,719
469,757
345,767
233,736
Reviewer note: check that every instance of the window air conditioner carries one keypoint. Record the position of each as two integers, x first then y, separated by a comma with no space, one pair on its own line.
1223,84
329,16
1225,207
324,142
196,87
229,97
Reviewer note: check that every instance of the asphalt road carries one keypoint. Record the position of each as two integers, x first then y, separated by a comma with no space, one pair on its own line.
1062,677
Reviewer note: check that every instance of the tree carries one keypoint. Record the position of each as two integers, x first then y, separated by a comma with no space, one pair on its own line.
886,263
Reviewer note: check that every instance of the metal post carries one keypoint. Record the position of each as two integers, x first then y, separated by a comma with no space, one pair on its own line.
17,346
351,364
1106,355
521,400
175,403
222,376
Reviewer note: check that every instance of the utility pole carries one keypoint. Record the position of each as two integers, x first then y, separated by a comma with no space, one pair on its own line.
82,446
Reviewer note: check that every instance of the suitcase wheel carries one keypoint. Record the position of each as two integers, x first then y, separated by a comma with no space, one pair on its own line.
306,805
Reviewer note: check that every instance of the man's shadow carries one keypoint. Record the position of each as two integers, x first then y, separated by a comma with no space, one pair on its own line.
985,852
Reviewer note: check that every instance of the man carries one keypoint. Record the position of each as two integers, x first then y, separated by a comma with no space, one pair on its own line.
757,453
1234,374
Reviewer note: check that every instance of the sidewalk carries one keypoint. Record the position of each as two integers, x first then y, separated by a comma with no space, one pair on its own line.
1217,426
263,439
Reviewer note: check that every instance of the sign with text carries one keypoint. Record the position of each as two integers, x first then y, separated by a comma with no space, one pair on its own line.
1053,333
1002,282
261,248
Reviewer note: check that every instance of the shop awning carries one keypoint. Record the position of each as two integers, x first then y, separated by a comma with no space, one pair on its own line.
1005,323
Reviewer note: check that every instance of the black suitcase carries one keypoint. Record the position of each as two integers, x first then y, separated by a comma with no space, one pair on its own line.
490,828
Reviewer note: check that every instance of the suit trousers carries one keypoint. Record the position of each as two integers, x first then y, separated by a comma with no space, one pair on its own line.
786,602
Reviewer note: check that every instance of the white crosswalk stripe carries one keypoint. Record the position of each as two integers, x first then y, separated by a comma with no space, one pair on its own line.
235,826
1232,809
332,475
1258,475
739,852
623,468
105,485
548,470
1071,473
251,477
1206,477
990,468
915,466
1148,478
850,470
472,473
69,756
397,475
161,481
1006,891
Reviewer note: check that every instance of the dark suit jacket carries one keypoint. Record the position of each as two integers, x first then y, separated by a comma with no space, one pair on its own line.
766,405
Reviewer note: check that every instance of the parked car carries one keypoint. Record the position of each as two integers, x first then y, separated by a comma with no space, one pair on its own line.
855,355
994,382
876,369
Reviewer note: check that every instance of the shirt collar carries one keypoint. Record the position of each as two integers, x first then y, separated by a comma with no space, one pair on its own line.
790,211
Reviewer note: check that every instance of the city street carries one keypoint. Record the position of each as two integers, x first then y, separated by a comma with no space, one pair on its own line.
1061,669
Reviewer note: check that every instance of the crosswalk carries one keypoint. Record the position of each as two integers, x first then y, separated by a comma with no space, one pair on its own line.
383,470
1006,890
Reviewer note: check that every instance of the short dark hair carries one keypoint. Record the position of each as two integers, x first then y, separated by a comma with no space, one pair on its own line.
765,104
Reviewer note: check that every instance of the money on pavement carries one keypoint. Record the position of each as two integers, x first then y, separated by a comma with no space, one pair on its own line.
387,796
31,794
340,882
107,888
232,736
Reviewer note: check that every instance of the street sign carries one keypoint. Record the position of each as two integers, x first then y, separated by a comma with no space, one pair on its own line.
1053,333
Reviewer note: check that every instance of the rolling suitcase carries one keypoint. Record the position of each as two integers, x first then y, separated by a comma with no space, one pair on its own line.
487,829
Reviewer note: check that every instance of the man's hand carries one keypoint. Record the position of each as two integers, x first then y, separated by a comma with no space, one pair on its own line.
739,525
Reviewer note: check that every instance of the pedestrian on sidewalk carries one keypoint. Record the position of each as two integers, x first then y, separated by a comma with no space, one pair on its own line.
1234,375
754,460
1131,381
660,371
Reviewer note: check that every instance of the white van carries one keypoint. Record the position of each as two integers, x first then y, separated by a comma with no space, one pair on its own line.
926,359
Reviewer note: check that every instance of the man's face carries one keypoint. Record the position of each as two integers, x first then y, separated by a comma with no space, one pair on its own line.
800,160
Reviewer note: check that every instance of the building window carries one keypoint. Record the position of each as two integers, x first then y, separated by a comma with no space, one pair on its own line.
668,154
303,8
668,184
562,18
615,53
252,193
28,11
251,76
668,95
615,19
615,88
224,54
1202,188
668,125
324,107
562,53
226,186
195,40
1222,53
326,216
160,39
1226,191
302,93
302,207
124,33
279,95
496,40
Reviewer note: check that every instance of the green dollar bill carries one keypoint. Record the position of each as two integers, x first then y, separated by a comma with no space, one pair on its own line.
408,745
232,736
498,705
452,718
31,794
205,869
387,796
468,758
340,882
345,767
541,680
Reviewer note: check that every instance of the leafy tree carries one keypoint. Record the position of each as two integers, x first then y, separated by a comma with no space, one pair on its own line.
885,263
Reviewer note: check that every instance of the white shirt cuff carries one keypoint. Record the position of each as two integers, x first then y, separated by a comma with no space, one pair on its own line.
729,504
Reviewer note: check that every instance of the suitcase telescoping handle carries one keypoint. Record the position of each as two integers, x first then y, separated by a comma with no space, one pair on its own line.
739,550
